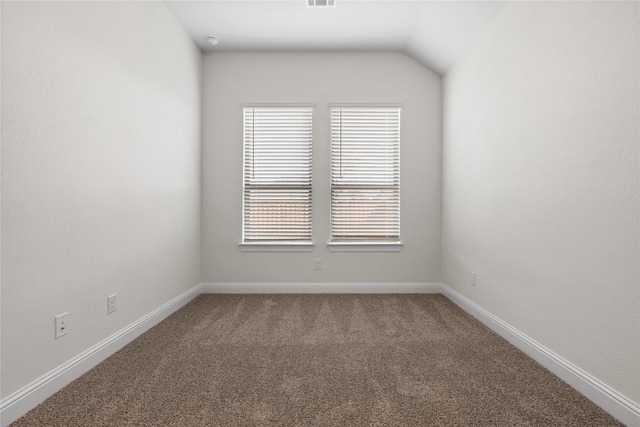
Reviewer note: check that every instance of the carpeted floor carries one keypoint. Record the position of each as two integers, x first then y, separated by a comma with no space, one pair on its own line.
318,360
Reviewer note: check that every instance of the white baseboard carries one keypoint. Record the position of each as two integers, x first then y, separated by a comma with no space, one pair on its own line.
321,288
19,403
621,407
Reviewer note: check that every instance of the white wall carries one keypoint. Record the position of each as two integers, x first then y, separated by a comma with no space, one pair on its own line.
541,182
231,79
100,173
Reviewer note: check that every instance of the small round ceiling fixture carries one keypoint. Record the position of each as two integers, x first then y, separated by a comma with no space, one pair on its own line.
213,40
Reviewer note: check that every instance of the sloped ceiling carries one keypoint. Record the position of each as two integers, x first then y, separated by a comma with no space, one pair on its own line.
435,33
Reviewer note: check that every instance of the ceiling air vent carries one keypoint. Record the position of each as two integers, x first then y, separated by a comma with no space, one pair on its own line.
321,3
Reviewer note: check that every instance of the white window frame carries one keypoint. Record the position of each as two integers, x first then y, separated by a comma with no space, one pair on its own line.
366,244
276,245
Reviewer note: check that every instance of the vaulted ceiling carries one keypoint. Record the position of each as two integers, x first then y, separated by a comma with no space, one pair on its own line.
435,33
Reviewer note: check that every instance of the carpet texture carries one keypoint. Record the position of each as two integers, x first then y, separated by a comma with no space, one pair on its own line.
318,360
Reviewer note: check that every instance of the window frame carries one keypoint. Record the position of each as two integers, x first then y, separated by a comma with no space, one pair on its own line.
277,245
364,245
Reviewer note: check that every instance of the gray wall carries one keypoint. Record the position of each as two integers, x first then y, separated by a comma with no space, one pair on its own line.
231,79
100,174
541,183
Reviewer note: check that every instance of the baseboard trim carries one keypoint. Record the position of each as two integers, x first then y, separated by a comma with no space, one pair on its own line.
321,288
27,398
621,407
19,403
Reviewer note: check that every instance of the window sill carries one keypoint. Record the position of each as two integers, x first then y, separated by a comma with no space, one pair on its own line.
365,246
276,247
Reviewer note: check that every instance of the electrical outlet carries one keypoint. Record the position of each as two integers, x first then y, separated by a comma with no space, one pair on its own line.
318,264
112,303
473,278
61,325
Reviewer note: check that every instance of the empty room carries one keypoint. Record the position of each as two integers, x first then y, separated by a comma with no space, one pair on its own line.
320,213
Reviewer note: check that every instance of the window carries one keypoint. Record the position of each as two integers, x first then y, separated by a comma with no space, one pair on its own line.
365,177
277,177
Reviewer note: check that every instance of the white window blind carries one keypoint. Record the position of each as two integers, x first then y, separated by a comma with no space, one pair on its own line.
365,174
277,174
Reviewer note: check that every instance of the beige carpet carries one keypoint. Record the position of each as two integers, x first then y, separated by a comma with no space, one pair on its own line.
318,360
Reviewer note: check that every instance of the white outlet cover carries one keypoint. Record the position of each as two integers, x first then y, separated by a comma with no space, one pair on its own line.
112,303
61,325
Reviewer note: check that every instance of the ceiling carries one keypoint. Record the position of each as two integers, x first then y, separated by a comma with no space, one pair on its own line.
435,33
